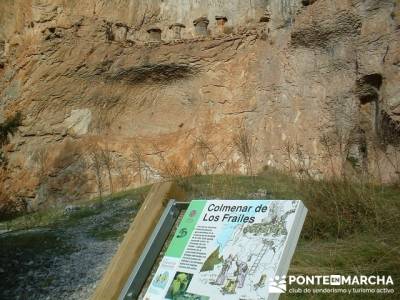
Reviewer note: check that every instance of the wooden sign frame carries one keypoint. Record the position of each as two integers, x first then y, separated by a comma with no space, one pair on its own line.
136,239
151,252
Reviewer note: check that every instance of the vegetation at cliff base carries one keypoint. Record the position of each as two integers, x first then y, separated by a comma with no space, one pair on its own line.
8,207
351,228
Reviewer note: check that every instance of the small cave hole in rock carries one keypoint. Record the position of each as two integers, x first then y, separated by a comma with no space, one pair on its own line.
374,80
308,2
266,17
368,88
154,34
221,20
201,25
176,29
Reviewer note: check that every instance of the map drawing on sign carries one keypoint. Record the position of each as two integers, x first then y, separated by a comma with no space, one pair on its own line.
238,263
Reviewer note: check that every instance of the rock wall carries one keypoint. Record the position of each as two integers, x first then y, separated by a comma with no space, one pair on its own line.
307,86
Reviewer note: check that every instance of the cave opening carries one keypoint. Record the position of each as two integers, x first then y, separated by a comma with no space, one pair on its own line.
308,2
368,88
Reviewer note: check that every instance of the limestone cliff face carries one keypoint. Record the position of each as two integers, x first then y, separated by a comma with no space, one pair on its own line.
310,86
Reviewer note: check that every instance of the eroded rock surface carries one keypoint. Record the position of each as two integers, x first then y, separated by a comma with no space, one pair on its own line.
309,86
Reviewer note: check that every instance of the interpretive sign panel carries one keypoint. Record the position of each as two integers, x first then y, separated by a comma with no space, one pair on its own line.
229,249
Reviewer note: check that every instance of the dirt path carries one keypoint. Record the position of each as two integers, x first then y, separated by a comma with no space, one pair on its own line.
66,260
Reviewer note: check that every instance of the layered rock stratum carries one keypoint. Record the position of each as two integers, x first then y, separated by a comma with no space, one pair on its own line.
121,93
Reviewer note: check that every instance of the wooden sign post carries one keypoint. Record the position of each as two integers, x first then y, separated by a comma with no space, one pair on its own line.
129,251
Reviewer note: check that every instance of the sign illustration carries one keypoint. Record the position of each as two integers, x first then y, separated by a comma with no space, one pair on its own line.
229,249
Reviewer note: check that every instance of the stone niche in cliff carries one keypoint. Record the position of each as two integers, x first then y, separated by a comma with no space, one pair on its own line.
120,31
154,34
201,25
176,29
221,20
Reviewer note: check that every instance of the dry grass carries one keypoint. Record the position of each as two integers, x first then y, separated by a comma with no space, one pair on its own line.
351,228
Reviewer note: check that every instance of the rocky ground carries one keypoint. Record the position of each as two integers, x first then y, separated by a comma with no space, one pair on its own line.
63,260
